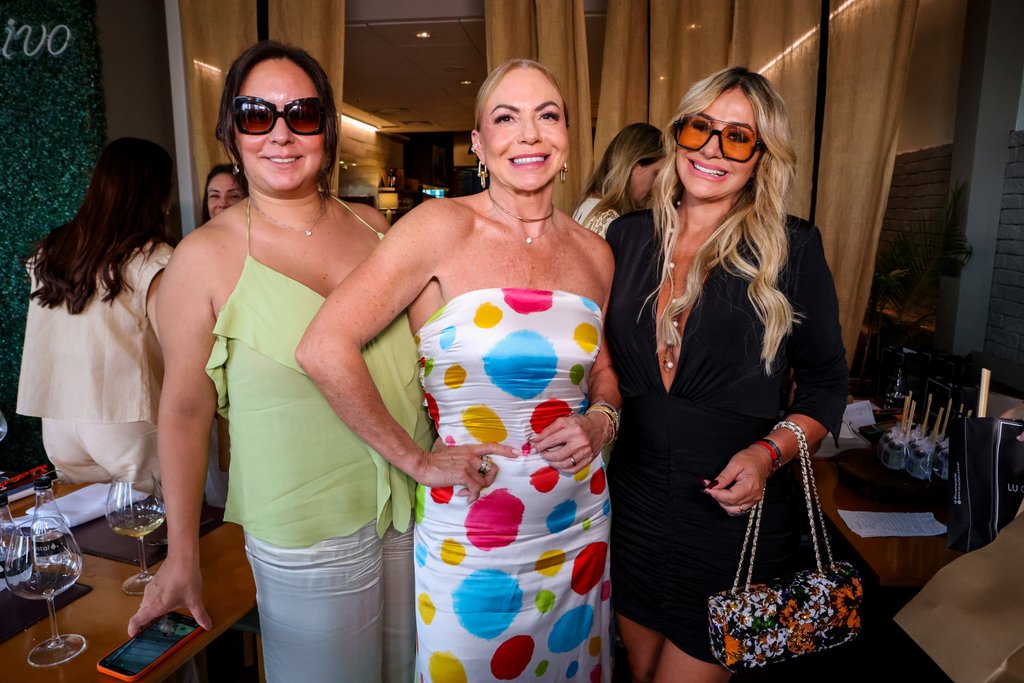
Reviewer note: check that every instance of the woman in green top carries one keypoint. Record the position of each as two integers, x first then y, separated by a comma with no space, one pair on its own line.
327,520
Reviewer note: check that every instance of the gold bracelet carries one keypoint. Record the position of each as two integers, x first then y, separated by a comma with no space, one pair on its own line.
611,413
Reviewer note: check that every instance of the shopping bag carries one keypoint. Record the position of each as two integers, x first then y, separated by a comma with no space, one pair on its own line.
970,617
986,479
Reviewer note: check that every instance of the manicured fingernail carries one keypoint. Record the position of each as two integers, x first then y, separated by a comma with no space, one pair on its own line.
710,484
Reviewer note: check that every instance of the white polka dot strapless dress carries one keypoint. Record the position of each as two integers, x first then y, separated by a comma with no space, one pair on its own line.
514,586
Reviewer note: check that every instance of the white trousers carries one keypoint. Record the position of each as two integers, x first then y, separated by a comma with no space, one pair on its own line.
95,451
341,610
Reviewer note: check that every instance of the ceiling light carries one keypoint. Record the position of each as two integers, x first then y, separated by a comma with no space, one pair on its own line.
356,123
423,34
466,82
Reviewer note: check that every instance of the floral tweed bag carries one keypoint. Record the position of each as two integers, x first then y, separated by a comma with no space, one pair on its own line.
810,611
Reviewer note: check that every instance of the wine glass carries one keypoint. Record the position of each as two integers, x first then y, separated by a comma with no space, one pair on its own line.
42,561
135,507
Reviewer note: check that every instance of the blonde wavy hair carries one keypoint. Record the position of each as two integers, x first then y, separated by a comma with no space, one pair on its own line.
637,143
751,241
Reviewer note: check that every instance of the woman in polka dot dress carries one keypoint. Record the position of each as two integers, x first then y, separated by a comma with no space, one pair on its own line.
508,296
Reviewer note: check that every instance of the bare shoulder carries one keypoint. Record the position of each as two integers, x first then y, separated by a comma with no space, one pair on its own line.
591,244
211,251
369,214
436,219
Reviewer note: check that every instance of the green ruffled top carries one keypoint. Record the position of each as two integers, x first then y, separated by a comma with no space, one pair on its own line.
298,474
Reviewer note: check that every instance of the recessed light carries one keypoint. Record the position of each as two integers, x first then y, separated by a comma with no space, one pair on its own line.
423,34
466,82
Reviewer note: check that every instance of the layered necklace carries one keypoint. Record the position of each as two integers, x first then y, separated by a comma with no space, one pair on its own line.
668,357
529,240
308,231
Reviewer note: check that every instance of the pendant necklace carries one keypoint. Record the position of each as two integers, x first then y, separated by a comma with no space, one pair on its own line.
308,231
529,240
667,362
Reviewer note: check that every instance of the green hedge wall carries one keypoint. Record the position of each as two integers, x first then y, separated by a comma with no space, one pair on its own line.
53,118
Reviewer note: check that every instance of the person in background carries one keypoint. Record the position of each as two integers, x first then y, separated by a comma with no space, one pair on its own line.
717,293
511,552
327,521
91,366
225,187
622,181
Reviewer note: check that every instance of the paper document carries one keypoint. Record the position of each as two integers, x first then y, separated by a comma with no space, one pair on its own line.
859,414
872,524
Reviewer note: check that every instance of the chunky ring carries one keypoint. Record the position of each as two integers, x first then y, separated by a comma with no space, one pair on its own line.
485,465
572,460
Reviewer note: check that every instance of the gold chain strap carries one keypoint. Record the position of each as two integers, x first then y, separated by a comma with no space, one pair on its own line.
814,513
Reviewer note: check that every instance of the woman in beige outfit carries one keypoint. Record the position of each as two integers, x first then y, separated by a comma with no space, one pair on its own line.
91,366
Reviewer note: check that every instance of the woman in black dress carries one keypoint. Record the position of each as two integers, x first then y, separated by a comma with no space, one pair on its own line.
717,293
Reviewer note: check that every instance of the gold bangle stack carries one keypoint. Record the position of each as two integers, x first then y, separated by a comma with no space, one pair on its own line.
609,411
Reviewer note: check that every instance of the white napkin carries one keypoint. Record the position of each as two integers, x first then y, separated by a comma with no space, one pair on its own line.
81,506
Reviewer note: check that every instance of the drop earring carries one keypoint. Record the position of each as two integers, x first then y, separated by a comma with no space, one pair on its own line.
481,173
564,172
236,169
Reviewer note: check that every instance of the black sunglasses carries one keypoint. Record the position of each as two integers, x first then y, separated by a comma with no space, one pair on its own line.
737,142
255,116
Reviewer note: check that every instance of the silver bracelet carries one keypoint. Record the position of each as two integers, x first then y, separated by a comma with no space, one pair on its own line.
798,432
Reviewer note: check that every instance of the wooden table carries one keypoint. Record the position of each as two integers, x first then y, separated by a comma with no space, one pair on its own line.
898,562
102,615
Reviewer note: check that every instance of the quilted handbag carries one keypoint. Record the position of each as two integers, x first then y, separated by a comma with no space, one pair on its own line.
753,625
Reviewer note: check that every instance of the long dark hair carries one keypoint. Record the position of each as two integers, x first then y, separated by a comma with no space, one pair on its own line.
123,212
240,69
238,177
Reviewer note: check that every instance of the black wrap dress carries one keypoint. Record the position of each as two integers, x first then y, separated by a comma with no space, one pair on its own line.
672,544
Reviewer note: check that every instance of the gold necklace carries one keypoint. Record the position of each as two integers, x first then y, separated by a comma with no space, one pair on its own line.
667,358
308,231
529,240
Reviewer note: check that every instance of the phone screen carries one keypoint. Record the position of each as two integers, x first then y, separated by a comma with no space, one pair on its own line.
148,646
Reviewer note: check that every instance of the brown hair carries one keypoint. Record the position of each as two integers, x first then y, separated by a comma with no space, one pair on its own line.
637,143
240,69
217,170
122,213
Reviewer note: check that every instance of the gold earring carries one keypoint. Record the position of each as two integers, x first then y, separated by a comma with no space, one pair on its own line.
481,173
564,171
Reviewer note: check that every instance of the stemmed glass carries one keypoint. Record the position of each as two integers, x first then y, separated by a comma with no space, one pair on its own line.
42,561
135,507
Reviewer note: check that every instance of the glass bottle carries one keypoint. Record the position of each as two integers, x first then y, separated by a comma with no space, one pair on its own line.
896,391
46,504
6,529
